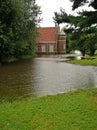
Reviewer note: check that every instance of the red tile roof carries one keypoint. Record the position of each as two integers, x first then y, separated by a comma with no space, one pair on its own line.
47,34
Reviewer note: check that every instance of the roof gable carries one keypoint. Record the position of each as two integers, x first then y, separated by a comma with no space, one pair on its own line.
47,34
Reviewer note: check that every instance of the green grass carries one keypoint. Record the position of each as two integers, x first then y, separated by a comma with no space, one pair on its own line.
83,62
70,111
87,61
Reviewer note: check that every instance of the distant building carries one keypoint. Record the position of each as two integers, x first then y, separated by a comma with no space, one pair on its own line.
51,41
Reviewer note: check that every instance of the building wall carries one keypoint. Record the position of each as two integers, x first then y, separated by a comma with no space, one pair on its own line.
46,48
61,44
53,47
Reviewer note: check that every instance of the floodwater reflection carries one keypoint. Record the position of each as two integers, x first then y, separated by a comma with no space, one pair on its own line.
44,76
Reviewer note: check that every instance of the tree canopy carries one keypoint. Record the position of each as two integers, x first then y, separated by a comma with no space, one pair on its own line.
78,3
18,22
83,26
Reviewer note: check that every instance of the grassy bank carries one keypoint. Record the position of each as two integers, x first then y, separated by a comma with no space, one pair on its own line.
14,59
70,111
88,60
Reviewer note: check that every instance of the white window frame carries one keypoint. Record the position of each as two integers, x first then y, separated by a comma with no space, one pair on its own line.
64,46
51,48
43,48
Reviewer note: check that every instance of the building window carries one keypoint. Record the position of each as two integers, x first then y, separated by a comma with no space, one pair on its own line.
51,48
43,47
64,46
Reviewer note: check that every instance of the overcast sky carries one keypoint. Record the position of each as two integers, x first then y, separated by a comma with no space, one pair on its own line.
48,8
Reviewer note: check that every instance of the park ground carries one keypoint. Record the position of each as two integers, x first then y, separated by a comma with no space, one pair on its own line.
87,60
69,111
75,110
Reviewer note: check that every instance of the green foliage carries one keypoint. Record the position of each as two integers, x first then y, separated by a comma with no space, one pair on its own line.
18,22
82,29
70,111
86,41
78,3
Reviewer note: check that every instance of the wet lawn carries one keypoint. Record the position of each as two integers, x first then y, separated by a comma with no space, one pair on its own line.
88,60
70,111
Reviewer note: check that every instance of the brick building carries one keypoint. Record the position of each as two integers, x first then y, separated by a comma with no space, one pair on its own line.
51,41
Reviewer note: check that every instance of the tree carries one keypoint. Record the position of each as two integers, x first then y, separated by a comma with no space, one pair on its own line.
84,35
78,3
18,22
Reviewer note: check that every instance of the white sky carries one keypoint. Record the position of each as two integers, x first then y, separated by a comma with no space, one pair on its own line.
48,7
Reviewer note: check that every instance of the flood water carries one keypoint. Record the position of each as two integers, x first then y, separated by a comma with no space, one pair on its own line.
44,76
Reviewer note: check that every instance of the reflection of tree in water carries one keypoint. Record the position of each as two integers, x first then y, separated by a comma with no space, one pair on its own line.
16,79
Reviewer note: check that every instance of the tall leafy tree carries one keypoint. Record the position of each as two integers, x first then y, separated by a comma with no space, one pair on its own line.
18,22
84,29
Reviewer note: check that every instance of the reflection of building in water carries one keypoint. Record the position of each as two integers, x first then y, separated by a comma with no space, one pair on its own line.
51,41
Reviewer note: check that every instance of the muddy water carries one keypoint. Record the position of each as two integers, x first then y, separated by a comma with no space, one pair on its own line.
44,76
